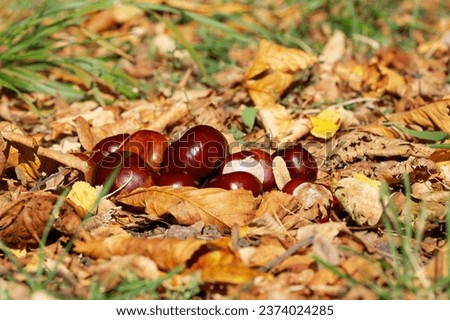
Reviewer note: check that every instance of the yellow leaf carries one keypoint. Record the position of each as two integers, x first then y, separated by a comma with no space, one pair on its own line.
373,183
83,195
325,124
223,266
30,165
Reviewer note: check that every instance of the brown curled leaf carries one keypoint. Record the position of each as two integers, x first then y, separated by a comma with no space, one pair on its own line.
23,221
433,116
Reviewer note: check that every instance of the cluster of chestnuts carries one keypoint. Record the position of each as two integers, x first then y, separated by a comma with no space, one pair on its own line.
199,158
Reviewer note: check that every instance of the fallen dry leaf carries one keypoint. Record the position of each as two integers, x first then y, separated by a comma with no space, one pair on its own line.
314,201
188,205
433,116
334,49
361,269
418,169
83,195
167,253
360,196
325,124
280,64
224,266
274,57
276,214
23,221
358,146
322,244
438,266
3,155
34,159
280,123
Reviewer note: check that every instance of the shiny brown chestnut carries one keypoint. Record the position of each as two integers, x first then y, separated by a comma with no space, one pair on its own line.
199,152
107,146
299,162
149,145
127,169
292,186
255,161
237,180
177,179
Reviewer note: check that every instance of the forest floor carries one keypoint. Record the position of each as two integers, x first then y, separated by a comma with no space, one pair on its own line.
364,87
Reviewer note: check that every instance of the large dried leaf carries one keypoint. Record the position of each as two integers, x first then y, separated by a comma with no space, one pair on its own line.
433,116
167,253
357,146
276,66
24,220
274,57
213,206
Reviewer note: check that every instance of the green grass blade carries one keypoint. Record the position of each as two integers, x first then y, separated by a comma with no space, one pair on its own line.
217,25
182,40
7,84
439,146
425,135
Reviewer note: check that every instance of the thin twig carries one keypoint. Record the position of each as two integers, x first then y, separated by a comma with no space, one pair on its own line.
289,252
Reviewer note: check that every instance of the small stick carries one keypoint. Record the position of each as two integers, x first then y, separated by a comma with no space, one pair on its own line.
289,252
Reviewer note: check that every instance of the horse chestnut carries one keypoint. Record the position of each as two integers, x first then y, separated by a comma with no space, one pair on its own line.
254,161
292,186
237,180
108,145
177,179
149,145
299,162
199,152
128,170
